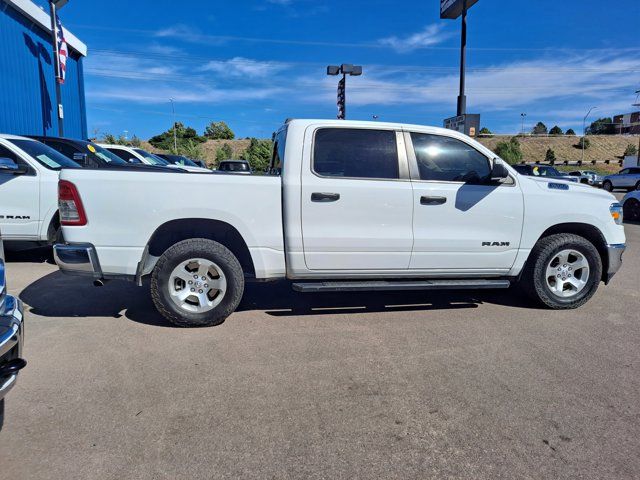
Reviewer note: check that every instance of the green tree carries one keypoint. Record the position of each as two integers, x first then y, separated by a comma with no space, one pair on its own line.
485,132
184,135
191,149
219,131
109,139
539,129
556,130
135,142
570,132
630,150
225,152
510,151
550,156
258,154
602,126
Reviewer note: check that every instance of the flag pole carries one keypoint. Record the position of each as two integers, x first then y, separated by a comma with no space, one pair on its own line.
58,73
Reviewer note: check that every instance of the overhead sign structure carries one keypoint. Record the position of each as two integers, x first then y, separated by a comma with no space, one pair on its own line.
452,9
469,124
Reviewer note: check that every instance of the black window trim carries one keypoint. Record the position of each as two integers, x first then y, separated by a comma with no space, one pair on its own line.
401,150
414,170
32,171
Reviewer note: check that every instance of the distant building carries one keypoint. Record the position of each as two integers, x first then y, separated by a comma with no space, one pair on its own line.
628,123
27,78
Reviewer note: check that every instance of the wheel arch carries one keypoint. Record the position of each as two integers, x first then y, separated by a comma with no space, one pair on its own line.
175,231
587,231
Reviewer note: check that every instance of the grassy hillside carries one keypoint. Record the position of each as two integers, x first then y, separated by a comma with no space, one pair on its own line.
603,147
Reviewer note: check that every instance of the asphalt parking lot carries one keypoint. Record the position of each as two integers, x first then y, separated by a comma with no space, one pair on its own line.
396,385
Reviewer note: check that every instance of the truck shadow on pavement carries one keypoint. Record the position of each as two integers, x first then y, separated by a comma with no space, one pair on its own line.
59,295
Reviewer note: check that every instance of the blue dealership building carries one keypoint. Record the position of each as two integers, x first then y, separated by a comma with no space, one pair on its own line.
27,75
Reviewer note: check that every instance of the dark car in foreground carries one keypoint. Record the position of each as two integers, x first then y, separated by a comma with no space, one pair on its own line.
11,337
83,152
543,171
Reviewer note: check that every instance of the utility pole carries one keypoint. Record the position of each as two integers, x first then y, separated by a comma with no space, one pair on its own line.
584,131
462,98
175,136
638,152
54,5
523,115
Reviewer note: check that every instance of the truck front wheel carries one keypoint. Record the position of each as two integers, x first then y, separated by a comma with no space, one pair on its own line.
197,283
563,271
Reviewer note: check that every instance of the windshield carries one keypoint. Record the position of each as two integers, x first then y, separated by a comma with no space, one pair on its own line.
104,154
180,160
44,155
546,172
150,157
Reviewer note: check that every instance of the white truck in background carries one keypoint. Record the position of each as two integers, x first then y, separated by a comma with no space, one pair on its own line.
29,173
347,206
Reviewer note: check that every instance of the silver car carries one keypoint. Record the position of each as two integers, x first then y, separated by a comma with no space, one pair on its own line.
588,176
627,178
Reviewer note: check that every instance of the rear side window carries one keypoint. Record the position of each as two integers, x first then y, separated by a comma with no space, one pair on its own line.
447,159
356,153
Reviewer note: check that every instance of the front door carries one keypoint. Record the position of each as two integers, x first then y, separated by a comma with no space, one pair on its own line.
356,208
463,224
19,200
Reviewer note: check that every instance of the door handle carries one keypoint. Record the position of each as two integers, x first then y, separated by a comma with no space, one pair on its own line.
325,197
432,200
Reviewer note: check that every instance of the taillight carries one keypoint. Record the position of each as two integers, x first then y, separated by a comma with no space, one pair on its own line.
70,205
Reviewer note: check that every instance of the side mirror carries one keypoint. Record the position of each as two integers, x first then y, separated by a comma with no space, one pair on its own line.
499,171
9,166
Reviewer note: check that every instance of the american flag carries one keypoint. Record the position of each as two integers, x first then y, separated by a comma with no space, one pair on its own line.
63,50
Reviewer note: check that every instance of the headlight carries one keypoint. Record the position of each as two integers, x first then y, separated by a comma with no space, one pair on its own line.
616,213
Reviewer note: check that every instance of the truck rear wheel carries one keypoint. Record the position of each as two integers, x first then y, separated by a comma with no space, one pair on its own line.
563,271
197,283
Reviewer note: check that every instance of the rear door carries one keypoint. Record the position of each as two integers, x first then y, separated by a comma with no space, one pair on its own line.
19,199
356,200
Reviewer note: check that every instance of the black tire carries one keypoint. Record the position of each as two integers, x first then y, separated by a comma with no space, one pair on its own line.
183,251
534,279
631,210
608,186
1,413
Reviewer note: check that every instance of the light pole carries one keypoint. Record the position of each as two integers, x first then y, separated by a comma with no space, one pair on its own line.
523,115
175,137
638,152
584,132
54,6
344,69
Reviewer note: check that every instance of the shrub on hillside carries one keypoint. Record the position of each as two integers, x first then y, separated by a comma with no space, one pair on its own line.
186,137
570,132
225,152
556,130
219,131
550,156
630,150
539,129
583,143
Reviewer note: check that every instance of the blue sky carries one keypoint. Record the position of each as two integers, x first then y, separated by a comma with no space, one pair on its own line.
255,63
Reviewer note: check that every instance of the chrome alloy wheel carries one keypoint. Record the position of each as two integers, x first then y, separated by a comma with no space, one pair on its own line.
197,285
567,273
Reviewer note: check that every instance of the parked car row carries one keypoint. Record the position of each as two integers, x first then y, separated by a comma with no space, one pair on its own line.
627,178
29,173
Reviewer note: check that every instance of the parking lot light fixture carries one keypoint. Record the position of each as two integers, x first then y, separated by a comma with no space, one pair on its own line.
344,70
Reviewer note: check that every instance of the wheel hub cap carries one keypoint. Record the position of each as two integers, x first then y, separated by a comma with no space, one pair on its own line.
197,285
567,273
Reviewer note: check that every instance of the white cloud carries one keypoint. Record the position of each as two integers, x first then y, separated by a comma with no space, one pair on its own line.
430,35
242,67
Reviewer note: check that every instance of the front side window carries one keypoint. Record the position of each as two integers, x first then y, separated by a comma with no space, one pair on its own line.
151,158
447,159
356,153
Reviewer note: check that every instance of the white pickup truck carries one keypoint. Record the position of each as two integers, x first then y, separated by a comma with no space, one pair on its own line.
347,206
29,189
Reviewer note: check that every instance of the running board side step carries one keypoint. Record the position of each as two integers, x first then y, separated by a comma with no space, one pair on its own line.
390,285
